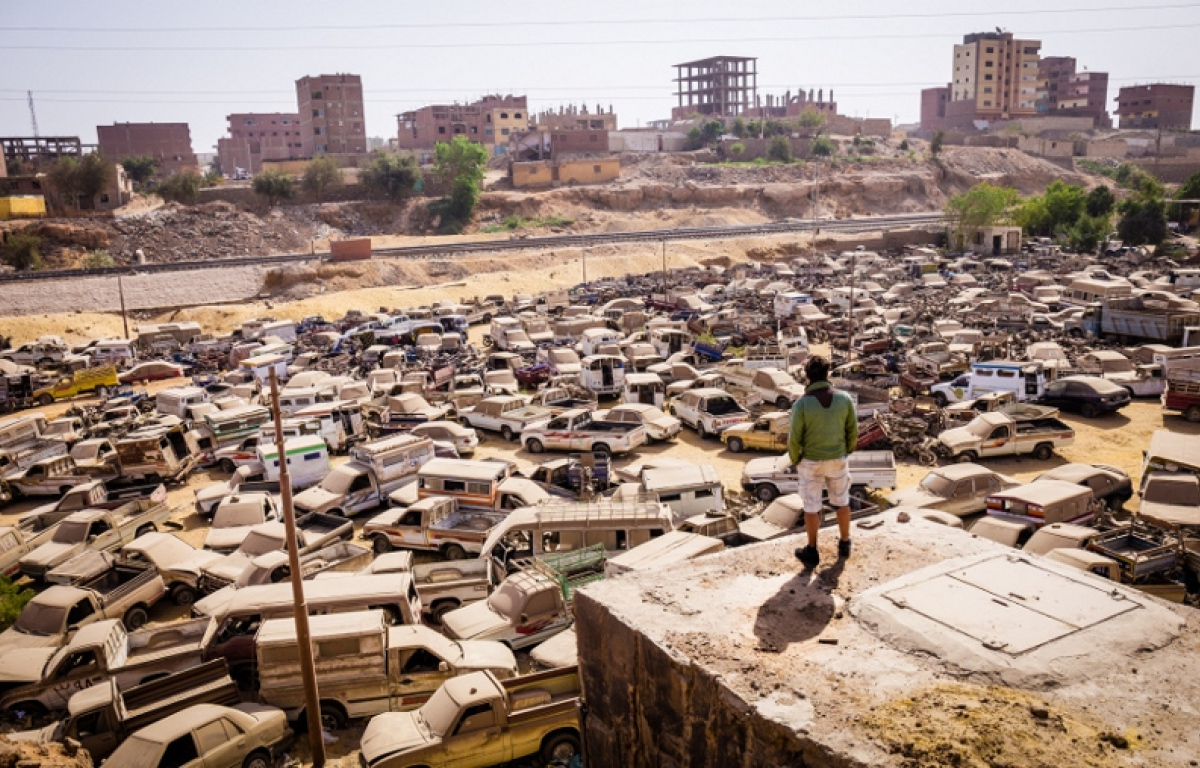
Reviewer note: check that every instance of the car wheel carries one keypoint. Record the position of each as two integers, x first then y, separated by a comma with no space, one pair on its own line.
32,710
228,467
44,400
766,493
439,610
506,432
183,594
560,748
454,552
257,759
1088,411
602,449
1043,452
332,717
1192,414
381,545
535,446
136,618
735,445
967,457
145,529
782,403
941,399
701,432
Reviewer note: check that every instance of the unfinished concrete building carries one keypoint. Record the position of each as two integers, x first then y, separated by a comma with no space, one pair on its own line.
720,86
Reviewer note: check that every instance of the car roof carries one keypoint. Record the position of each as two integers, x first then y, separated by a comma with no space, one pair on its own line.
1076,473
176,725
961,471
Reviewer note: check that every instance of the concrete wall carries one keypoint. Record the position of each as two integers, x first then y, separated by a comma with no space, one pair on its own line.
588,171
23,207
647,141
1169,170
1105,148
532,174
1047,147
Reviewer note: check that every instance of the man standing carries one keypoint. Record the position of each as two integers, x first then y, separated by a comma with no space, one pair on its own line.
824,432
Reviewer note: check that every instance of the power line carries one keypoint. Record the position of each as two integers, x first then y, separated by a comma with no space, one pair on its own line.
611,22
563,43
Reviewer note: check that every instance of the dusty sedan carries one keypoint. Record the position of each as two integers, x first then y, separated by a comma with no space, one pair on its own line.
152,370
659,426
960,489
1107,483
245,736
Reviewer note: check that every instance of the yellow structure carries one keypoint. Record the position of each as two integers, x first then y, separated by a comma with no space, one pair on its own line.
532,174
549,172
22,207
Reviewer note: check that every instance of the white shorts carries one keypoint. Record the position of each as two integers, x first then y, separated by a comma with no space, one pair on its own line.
816,476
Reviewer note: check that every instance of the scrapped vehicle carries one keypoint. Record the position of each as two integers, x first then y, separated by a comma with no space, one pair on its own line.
86,381
1171,498
767,385
365,667
1108,484
435,523
151,370
22,443
464,439
670,549
708,411
157,454
236,516
49,477
686,489
179,563
529,715
997,434
770,477
1042,502
103,716
15,543
960,489
1091,396
247,735
375,470
483,485
785,514
246,479
507,414
1140,380
768,432
575,430
442,587
38,681
274,567
658,425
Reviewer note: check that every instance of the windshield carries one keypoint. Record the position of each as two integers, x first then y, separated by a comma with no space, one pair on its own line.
259,543
506,600
1173,492
41,620
337,482
229,516
937,485
980,428
438,713
70,532
135,752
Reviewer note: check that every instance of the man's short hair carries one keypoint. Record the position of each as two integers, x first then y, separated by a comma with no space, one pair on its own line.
816,369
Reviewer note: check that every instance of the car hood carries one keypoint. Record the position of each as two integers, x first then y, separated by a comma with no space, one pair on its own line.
474,620
12,641
51,553
958,436
23,664
314,498
228,568
215,603
389,733
914,497
227,538
209,493
488,655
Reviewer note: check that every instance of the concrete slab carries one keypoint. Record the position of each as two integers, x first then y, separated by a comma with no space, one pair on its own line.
739,659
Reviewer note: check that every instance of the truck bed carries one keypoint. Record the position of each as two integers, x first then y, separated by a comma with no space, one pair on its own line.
119,582
460,523
148,645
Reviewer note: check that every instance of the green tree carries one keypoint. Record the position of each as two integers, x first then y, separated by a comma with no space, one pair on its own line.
811,119
739,128
63,175
96,174
320,176
1143,221
274,186
935,144
77,182
182,188
981,206
98,259
21,251
1190,189
1100,202
822,146
12,601
141,169
1086,234
460,163
389,175
737,149
780,150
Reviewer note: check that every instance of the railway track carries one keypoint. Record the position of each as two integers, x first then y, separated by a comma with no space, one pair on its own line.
871,224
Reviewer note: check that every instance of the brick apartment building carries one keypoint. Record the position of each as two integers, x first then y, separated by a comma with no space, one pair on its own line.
1156,106
933,107
169,143
258,136
490,121
573,118
995,77
332,119
1064,92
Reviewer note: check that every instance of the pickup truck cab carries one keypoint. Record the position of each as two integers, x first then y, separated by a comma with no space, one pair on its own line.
575,430
998,434
525,609
84,381
659,426
179,563
49,477
768,432
484,720
507,414
434,524
770,477
768,385
97,529
236,516
1043,502
708,411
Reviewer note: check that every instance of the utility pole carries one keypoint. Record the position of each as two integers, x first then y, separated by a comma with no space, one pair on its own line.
853,318
312,701
32,114
665,298
816,204
121,293
585,250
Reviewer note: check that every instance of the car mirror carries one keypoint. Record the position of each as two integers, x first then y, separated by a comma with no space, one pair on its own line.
443,666
524,618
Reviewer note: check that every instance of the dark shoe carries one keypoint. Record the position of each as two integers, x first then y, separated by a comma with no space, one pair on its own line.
808,556
843,549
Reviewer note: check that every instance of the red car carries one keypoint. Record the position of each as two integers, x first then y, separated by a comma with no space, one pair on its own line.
152,370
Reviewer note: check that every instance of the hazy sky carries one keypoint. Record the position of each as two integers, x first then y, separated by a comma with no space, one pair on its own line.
92,63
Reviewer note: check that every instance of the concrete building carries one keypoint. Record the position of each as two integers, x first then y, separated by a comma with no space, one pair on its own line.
490,121
36,150
573,118
577,171
168,143
332,118
258,136
720,86
995,77
933,108
1156,106
1064,92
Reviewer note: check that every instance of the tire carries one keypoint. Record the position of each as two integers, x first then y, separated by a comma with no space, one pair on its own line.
1192,414
559,748
454,552
257,759
101,392
65,490
535,446
332,717
967,457
145,529
381,545
1043,452
506,432
337,512
701,432
183,594
439,610
735,445
227,466
135,618
941,399
766,493
45,400
782,403
602,448
1088,411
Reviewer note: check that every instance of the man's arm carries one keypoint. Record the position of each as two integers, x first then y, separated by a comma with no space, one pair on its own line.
851,429
796,435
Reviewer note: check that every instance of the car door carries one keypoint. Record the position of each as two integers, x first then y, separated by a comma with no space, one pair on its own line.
77,671
477,739
419,673
222,743
1055,394
999,442
962,499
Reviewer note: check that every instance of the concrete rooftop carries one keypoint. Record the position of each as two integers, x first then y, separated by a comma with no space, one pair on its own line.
928,647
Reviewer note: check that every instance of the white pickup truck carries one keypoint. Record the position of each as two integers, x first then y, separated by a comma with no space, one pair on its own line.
708,411
509,415
998,434
770,477
574,430
767,385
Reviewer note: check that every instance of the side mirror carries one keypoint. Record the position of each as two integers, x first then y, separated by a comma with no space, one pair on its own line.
443,666
524,618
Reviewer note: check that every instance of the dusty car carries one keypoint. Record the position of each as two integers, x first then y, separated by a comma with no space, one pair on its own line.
960,489
1107,483
464,439
659,426
1090,395
152,370
248,735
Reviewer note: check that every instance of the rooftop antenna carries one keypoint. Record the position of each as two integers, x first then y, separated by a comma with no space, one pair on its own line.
32,114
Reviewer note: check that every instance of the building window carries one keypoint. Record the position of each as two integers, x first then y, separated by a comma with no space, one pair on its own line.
595,169
517,115
503,115
441,129
358,126
987,90
317,131
487,131
503,131
474,129
991,50
987,63
987,77
316,94
987,103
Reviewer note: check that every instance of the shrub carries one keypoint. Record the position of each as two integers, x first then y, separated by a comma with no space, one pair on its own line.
12,601
21,251
823,146
780,150
97,259
391,176
737,149
274,185
182,188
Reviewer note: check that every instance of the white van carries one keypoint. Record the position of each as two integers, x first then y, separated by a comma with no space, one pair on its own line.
787,302
111,352
341,422
688,489
592,339
293,400
618,525
307,460
260,367
474,483
176,401
1085,292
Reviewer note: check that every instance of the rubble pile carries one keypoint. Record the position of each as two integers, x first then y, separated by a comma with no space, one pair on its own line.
207,231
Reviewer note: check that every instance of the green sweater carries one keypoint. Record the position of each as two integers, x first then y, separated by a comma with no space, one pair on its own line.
820,433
